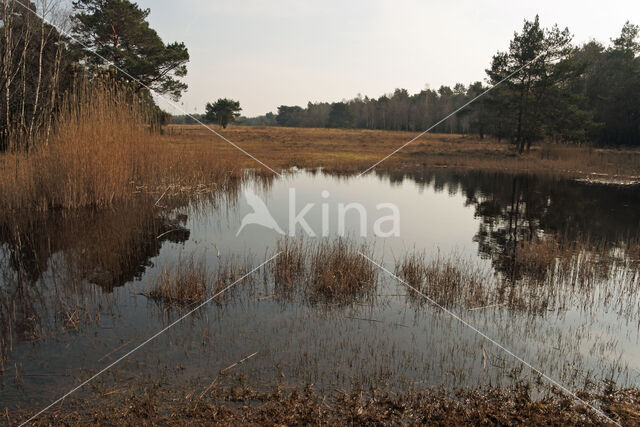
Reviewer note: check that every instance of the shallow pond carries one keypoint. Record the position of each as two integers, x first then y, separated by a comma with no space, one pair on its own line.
74,288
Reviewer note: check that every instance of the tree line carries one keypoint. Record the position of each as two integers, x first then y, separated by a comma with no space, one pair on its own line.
546,88
41,64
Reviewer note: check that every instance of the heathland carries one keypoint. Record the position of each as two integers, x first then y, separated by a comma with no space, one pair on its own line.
114,225
108,193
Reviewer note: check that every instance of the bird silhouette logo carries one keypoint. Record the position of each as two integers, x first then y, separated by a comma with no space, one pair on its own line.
260,215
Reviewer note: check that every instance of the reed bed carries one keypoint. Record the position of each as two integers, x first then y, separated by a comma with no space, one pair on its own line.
104,152
327,270
582,275
551,275
186,284
633,251
446,281
338,271
229,272
290,266
190,281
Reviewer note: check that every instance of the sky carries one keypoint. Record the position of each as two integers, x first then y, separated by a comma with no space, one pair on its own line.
289,52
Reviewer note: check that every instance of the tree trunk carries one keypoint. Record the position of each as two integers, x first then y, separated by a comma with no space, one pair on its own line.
7,18
26,39
55,78
36,97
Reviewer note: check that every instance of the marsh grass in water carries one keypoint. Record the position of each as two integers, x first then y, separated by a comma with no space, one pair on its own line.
552,274
325,270
290,266
339,272
446,281
191,281
229,272
186,284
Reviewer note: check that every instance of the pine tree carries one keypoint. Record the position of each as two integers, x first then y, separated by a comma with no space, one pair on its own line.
524,97
118,31
223,111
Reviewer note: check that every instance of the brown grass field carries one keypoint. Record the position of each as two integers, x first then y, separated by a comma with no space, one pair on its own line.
355,150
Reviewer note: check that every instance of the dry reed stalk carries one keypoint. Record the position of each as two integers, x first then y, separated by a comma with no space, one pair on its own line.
289,267
229,272
446,281
187,284
338,271
103,152
328,270
634,251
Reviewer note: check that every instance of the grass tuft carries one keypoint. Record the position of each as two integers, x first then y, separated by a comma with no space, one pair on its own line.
187,284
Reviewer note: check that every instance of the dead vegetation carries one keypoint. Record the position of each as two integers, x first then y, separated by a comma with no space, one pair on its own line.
239,404
186,284
350,151
633,250
228,273
190,282
543,275
327,270
446,281
338,271
101,157
102,153
289,267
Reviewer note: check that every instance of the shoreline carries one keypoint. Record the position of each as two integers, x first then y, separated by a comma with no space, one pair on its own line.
240,404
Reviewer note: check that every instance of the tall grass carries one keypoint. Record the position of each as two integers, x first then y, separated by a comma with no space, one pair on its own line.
186,284
327,270
447,281
103,151
545,275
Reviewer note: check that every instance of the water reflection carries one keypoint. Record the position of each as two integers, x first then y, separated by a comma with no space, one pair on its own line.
107,248
72,286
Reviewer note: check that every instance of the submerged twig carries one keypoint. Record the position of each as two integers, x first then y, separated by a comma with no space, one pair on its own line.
233,365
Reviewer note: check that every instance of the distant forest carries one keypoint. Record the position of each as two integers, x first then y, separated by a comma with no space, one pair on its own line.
552,90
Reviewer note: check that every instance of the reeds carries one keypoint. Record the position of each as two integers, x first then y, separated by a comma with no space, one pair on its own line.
103,152
542,275
633,251
446,281
229,272
328,270
290,265
186,284
190,281
339,272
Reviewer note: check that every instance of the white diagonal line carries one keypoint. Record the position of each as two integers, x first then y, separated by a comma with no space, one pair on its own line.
147,341
450,115
494,342
164,98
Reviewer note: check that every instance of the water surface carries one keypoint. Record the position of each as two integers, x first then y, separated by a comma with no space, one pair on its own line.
75,286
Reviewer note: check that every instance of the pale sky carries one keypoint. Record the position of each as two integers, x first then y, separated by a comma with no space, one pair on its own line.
269,53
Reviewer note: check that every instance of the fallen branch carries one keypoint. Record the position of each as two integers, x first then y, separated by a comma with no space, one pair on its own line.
233,365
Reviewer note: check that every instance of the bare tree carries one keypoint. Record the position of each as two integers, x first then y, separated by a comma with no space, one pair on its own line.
32,52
